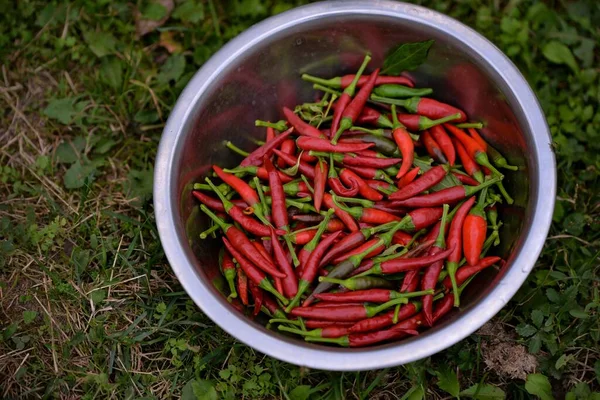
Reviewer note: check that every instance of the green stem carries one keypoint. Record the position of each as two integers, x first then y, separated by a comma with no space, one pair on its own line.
263,201
326,89
222,224
333,82
284,321
279,125
308,185
362,202
206,233
236,149
464,125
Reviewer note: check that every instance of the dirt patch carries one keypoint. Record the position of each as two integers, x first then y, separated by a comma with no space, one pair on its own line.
503,355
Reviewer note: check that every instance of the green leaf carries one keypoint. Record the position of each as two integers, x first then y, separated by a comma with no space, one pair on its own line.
198,390
104,145
190,11
80,259
559,212
101,43
574,224
559,53
539,385
45,15
146,116
579,313
525,330
562,361
553,295
585,52
154,12
77,175
111,72
448,381
484,392
139,184
62,110
301,392
69,151
406,57
449,181
98,296
537,317
172,69
29,316
416,393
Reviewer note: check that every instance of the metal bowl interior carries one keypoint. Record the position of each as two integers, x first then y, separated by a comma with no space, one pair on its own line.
257,73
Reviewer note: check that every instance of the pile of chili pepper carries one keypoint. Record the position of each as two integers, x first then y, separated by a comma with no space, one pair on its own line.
362,216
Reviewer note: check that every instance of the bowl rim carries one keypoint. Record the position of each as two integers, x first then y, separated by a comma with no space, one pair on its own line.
541,164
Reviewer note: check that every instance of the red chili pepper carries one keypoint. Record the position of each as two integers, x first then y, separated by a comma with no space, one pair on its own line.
441,137
306,143
270,134
308,217
381,186
261,172
311,267
326,332
342,82
288,147
455,242
368,215
405,144
346,97
474,231
345,313
215,204
353,110
353,180
436,109
428,180
475,135
465,179
341,214
242,282
416,122
371,173
272,307
307,250
432,272
243,245
382,144
257,293
474,149
304,168
253,273
408,178
256,157
373,117
432,147
315,323
237,214
320,182
365,296
352,160
410,283
289,283
360,249
278,206
402,238
336,184
407,264
442,308
263,252
449,195
301,127
229,272
467,271
470,166
384,320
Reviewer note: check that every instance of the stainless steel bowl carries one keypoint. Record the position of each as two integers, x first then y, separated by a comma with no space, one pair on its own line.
258,72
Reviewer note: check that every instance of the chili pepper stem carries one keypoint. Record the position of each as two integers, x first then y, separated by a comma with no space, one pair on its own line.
279,125
266,285
326,89
284,321
396,312
505,194
292,250
465,125
431,123
314,333
261,195
452,267
325,82
362,202
302,287
236,149
206,233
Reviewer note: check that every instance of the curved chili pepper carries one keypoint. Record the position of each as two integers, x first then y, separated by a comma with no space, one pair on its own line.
254,274
405,144
432,147
229,272
455,241
425,182
242,283
304,168
243,245
432,272
341,214
288,146
384,320
257,293
256,157
416,122
216,204
353,110
346,97
336,184
467,271
311,268
320,182
341,82
374,117
306,143
424,106
442,308
237,214
382,144
408,177
465,179
474,231
353,180
301,127
449,195
289,283
396,91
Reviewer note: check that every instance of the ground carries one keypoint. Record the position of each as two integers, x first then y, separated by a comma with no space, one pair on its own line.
88,305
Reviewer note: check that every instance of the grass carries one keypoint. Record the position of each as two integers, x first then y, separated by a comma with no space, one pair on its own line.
88,305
